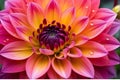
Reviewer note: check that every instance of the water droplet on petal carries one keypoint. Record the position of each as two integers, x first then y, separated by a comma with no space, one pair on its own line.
86,7
93,10
4,41
91,24
91,52
7,39
107,39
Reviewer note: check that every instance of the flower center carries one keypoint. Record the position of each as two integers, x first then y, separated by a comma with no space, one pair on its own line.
53,36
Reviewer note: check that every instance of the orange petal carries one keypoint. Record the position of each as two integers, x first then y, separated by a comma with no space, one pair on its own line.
37,66
65,4
82,66
35,14
83,7
52,11
79,24
75,52
62,67
68,16
46,51
93,50
18,50
94,28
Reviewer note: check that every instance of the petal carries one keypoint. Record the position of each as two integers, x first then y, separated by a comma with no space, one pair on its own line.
52,74
65,4
62,67
24,32
5,37
106,15
79,24
46,51
19,19
35,14
110,60
83,7
93,49
94,28
37,66
8,26
68,16
106,72
115,27
94,7
10,66
52,11
75,52
79,40
109,42
82,66
18,50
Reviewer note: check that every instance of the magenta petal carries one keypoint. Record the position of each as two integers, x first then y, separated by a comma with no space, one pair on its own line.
82,66
5,37
115,27
52,74
10,66
108,41
8,26
106,15
105,72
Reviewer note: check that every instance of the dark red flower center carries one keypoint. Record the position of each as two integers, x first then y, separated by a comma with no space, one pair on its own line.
52,36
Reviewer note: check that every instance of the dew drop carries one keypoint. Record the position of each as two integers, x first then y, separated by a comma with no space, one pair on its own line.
91,24
4,41
7,39
107,39
86,7
91,52
93,10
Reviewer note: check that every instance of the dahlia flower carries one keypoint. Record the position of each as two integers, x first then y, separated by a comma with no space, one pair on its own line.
58,39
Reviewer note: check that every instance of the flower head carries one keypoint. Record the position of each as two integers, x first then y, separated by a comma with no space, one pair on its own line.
60,38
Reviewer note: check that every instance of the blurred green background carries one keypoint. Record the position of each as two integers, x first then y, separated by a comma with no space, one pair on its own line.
105,4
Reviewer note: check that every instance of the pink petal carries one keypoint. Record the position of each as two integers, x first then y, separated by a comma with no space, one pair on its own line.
65,4
93,49
8,26
114,58
94,28
19,19
83,7
75,52
52,74
68,16
106,72
5,37
10,66
109,42
18,50
106,15
82,66
24,32
37,66
53,11
46,51
62,67
35,14
94,7
79,24
115,27
79,40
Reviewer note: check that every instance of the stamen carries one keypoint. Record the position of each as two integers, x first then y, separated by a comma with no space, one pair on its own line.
58,25
69,28
63,26
53,22
44,21
40,26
